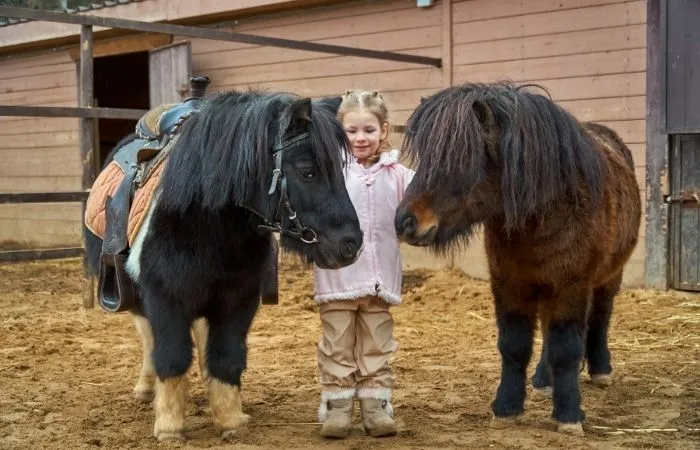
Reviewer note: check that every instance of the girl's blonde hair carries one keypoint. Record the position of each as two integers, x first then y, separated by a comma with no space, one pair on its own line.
373,103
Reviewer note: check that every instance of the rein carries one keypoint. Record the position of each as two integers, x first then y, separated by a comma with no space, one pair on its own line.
279,181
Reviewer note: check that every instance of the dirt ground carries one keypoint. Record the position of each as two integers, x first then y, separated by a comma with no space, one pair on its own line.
66,373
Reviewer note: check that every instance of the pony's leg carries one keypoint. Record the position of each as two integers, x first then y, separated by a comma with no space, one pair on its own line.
143,391
226,360
515,316
169,406
172,356
542,379
565,317
200,329
597,351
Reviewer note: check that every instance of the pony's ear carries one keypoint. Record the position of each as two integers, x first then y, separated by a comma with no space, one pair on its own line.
488,121
483,114
300,113
330,104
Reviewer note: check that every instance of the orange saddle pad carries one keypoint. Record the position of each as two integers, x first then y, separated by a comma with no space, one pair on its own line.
106,184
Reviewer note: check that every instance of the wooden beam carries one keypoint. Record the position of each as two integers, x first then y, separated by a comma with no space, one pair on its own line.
43,197
657,179
210,33
59,111
87,143
32,255
124,44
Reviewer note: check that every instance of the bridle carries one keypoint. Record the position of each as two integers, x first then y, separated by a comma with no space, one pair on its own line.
279,182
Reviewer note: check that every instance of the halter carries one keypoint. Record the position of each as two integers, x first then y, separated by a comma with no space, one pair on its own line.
279,181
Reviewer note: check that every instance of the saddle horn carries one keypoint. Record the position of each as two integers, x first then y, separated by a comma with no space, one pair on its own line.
198,86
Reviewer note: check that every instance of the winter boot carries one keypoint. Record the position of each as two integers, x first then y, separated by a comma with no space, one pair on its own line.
336,417
377,417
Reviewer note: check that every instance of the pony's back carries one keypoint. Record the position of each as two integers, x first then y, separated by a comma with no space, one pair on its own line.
613,139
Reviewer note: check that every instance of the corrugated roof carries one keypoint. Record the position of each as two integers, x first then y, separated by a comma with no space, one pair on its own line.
68,6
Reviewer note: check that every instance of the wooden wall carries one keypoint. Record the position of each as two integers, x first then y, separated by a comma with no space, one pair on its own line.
39,154
589,54
360,24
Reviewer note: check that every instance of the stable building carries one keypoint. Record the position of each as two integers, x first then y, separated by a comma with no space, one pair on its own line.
625,64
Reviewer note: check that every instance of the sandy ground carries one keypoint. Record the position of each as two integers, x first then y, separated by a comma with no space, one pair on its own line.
66,373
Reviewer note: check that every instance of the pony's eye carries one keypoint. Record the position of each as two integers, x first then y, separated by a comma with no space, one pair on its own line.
307,173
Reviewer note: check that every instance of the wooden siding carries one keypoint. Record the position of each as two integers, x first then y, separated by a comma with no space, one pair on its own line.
589,54
362,24
39,154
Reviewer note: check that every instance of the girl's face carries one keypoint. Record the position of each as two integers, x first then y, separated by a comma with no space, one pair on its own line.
365,133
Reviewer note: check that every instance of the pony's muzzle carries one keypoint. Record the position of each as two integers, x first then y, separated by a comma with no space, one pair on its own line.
341,248
411,231
350,248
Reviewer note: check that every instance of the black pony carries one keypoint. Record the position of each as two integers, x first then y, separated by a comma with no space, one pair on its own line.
560,207
248,164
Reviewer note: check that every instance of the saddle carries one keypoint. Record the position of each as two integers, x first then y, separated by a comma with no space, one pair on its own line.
136,160
135,173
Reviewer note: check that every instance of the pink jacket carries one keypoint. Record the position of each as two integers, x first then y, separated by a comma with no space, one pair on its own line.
376,193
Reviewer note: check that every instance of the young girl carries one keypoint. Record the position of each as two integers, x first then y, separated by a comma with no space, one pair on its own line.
357,342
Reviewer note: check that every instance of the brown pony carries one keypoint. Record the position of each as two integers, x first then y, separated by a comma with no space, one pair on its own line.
560,208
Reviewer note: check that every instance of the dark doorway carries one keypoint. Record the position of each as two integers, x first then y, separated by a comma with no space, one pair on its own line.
121,81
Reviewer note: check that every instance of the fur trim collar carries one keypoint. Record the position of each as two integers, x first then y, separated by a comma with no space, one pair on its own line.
354,294
389,158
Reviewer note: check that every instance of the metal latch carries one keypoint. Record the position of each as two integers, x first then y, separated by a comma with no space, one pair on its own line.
690,195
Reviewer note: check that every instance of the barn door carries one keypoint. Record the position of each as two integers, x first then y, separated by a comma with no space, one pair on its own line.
680,118
169,72
685,212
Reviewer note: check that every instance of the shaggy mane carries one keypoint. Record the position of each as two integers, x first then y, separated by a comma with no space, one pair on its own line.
225,151
544,154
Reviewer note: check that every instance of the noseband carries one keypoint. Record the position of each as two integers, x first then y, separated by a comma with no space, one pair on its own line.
279,181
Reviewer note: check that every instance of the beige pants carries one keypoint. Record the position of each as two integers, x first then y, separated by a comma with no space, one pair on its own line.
356,346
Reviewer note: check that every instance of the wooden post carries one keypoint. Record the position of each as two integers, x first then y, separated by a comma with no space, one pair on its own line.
87,145
656,268
447,74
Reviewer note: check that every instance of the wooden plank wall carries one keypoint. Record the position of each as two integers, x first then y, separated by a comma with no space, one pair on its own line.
363,24
589,54
39,154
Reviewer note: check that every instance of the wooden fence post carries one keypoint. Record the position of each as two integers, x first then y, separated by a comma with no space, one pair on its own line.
447,50
87,145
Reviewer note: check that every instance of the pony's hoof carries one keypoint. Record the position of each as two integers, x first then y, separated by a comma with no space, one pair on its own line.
572,429
540,394
144,395
169,436
234,433
602,380
501,423
235,426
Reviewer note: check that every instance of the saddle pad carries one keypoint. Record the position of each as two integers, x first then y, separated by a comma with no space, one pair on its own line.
106,184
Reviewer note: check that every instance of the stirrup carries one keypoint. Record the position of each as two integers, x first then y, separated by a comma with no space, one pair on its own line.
116,290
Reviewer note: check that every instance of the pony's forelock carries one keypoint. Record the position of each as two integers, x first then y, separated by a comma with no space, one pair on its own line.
225,151
543,152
